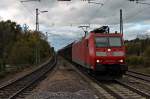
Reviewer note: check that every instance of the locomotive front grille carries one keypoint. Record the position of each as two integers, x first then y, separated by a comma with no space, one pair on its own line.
118,53
101,54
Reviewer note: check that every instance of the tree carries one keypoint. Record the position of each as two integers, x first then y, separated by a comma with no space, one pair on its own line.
19,47
21,53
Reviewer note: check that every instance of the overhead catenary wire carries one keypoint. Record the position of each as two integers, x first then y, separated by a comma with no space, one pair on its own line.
139,11
101,3
30,0
27,10
145,3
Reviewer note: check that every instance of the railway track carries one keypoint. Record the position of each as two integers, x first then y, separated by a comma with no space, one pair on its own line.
134,89
138,82
116,89
23,86
120,90
138,75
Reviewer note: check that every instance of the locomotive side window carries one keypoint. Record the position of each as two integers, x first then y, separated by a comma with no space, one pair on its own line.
115,41
101,41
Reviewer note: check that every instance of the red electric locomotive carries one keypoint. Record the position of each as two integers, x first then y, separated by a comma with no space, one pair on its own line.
101,51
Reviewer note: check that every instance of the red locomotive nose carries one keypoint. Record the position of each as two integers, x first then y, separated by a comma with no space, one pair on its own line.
111,55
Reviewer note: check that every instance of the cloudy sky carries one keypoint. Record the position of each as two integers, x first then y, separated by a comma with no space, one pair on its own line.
63,18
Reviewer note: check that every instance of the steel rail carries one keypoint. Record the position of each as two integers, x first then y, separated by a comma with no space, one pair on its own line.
138,75
20,78
11,90
112,93
147,95
30,84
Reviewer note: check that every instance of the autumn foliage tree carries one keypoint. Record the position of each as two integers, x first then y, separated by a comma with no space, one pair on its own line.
138,52
18,47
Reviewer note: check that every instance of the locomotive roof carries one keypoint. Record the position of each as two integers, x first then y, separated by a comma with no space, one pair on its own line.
104,31
110,34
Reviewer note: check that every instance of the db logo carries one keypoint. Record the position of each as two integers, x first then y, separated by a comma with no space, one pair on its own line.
109,53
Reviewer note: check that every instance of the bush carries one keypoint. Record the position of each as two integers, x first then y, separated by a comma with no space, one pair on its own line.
147,57
2,65
146,62
147,52
135,60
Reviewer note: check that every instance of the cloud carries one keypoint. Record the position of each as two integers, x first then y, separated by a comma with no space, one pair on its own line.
77,12
62,15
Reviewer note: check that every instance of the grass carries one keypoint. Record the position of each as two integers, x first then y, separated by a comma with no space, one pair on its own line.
2,74
16,69
140,68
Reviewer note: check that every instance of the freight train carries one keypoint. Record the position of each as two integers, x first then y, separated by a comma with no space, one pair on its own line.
99,52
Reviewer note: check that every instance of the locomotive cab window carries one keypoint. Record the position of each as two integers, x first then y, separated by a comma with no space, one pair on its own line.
115,41
101,41
108,41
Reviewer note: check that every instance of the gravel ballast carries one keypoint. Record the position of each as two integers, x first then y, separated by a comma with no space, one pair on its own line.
63,83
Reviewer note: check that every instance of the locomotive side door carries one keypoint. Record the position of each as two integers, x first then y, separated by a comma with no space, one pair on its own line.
86,53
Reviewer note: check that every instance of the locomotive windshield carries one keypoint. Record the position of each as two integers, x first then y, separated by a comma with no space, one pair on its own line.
108,42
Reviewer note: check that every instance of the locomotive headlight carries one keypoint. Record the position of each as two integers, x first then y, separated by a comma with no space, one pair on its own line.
121,61
108,50
97,61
